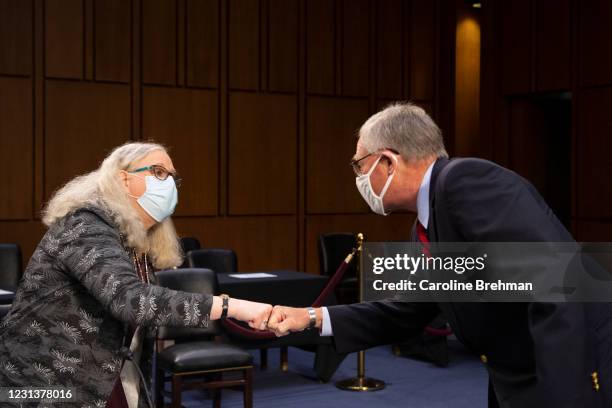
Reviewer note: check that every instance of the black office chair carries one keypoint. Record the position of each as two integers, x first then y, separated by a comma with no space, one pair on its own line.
189,244
218,259
333,248
225,261
196,361
10,266
4,309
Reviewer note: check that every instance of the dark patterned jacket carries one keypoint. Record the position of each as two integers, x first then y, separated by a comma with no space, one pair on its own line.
78,295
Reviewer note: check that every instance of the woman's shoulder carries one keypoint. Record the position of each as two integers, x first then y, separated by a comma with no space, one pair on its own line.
86,219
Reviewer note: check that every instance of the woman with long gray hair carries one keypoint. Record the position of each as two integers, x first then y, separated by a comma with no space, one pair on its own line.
88,291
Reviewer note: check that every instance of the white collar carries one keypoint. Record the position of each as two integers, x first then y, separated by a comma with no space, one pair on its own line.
423,197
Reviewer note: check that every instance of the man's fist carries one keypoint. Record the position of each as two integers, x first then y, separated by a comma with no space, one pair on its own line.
285,320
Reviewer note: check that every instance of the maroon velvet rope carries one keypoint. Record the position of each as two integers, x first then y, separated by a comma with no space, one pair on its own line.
236,328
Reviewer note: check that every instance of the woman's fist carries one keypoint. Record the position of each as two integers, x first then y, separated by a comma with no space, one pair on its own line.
254,313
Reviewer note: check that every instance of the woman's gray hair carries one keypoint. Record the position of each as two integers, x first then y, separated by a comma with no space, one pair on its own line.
403,127
103,188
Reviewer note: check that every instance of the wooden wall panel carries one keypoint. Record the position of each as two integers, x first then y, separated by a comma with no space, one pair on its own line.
553,45
258,101
262,243
356,48
159,52
25,233
595,30
15,37
282,74
84,121
422,47
112,45
595,123
552,53
395,227
593,231
389,37
332,125
516,43
16,148
262,154
203,43
244,44
320,46
64,38
185,120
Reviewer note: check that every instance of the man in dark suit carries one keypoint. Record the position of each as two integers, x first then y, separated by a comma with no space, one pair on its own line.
537,354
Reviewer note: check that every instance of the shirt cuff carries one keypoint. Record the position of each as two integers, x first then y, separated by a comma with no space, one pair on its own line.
326,328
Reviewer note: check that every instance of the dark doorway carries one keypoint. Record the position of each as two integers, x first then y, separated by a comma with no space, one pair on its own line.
540,146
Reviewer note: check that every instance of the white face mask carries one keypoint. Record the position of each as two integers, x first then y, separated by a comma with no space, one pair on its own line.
364,185
160,197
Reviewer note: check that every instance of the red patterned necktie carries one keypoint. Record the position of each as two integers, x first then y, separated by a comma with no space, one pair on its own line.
423,238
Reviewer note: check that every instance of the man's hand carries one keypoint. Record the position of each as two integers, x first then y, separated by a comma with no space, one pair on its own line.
285,320
254,313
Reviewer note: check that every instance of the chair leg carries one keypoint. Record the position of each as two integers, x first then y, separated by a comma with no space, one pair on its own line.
159,388
248,388
217,391
177,388
263,357
284,358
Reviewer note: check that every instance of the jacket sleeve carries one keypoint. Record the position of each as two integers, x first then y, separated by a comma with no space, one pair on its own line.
488,203
363,325
91,252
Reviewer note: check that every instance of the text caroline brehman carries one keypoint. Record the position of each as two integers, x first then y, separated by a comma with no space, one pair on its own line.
452,286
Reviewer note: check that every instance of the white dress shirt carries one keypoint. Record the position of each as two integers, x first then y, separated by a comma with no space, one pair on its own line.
422,215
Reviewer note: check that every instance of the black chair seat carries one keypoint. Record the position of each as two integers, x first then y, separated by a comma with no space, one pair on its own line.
202,356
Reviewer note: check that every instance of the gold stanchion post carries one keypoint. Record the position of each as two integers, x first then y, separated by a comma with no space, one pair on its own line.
361,382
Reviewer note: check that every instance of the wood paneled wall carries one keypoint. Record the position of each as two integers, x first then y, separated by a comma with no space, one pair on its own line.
259,101
533,49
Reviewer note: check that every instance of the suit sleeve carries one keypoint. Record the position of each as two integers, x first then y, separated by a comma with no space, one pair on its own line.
363,325
92,253
487,203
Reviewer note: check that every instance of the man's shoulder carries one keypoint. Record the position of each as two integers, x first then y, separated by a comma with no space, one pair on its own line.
472,164
461,171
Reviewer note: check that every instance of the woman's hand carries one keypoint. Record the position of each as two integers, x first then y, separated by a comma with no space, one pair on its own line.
254,313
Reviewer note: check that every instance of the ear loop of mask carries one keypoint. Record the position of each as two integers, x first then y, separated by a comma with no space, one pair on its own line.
135,175
387,183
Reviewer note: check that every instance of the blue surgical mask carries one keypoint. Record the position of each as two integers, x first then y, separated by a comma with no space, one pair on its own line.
159,198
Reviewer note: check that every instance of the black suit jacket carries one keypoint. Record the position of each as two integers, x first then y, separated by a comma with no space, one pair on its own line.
538,354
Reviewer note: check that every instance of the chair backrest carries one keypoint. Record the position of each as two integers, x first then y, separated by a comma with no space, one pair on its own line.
4,309
195,280
218,259
189,244
333,249
10,266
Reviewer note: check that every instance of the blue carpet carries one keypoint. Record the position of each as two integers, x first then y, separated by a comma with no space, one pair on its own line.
410,383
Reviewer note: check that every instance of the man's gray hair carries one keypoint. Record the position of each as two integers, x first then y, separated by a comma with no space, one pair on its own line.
403,127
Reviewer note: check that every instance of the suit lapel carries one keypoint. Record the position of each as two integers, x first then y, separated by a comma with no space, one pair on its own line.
447,308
